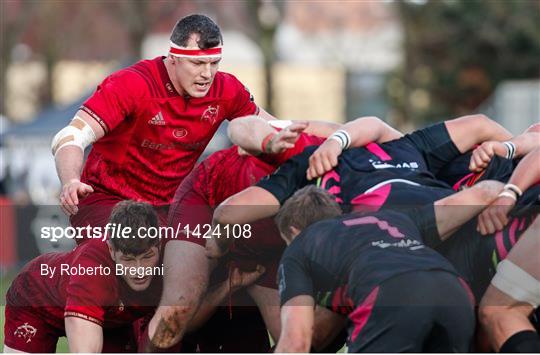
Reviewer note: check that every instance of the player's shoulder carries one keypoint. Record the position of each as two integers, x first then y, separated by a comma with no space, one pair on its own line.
227,85
140,78
227,78
93,251
221,156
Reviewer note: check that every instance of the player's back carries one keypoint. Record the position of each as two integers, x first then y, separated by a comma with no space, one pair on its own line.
364,249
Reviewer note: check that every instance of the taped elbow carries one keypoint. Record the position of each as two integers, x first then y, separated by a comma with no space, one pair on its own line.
78,133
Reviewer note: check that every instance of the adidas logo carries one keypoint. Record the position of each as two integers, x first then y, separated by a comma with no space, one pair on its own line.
157,120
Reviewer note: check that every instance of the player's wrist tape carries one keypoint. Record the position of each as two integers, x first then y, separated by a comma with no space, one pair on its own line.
510,149
281,124
265,145
516,190
342,137
517,283
77,133
508,194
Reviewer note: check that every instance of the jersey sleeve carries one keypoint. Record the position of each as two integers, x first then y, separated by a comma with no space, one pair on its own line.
89,295
243,103
305,140
294,278
289,177
426,222
115,98
435,145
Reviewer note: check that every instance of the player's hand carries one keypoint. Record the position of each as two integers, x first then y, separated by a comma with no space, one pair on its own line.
286,138
72,192
483,154
324,159
239,279
495,217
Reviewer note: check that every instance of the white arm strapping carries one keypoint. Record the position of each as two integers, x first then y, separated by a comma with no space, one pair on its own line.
77,133
517,283
280,123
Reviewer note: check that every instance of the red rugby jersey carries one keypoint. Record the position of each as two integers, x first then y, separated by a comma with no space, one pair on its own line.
221,175
103,299
154,136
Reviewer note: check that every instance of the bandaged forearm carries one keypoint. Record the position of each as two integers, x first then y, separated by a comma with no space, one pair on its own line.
517,283
78,133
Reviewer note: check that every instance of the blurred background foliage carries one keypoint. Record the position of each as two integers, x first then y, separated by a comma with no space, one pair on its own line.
409,62
452,56
457,52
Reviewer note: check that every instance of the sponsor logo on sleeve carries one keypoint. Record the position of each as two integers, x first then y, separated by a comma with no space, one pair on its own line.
281,277
377,164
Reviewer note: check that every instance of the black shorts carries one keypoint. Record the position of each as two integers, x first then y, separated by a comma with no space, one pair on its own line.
425,311
476,256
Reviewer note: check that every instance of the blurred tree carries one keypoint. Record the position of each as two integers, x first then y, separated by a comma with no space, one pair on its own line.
136,20
458,51
266,16
259,20
73,30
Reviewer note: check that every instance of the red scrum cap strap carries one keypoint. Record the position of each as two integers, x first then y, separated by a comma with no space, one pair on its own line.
194,52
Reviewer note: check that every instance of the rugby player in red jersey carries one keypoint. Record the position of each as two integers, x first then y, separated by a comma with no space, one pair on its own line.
216,178
148,124
95,293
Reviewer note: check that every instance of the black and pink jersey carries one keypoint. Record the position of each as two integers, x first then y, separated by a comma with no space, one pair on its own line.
340,261
399,172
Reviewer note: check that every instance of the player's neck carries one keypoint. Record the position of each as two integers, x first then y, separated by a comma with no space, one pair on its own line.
172,77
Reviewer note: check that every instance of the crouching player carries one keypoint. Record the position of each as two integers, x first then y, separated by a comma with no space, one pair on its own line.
399,295
82,295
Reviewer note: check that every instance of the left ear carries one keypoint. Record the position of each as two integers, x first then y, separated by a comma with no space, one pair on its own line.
111,250
294,232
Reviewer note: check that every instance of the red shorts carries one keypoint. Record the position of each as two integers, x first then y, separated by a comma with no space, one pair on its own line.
28,331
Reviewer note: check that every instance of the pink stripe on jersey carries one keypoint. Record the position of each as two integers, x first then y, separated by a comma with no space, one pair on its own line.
330,175
334,190
383,225
375,198
361,314
522,224
468,290
462,181
500,245
378,151
512,231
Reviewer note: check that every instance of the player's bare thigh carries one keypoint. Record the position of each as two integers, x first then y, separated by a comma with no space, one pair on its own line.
8,350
